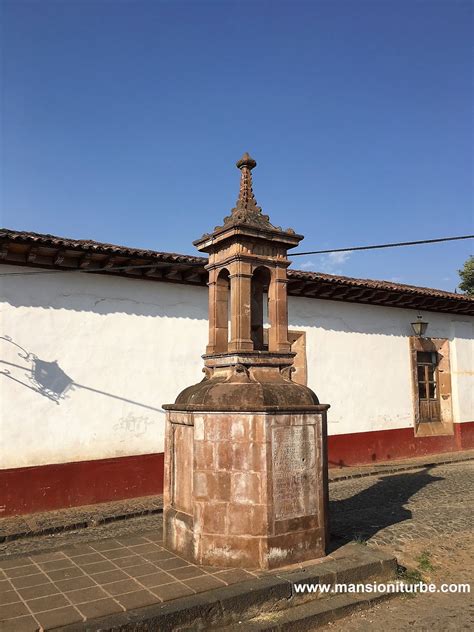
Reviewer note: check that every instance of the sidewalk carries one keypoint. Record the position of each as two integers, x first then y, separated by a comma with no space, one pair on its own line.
127,584
344,473
32,525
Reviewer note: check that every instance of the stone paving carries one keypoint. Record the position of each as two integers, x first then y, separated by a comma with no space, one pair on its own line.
103,577
406,513
405,510
429,512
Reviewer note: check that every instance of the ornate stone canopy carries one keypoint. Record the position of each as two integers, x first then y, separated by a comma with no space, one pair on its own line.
248,360
247,262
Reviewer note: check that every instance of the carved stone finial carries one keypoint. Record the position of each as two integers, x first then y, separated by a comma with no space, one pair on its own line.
246,212
246,161
246,203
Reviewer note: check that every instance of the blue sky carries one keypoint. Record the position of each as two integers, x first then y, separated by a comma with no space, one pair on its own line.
122,122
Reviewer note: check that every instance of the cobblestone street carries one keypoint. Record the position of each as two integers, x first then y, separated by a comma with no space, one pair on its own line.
428,511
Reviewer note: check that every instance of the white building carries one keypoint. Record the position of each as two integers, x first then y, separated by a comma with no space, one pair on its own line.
87,360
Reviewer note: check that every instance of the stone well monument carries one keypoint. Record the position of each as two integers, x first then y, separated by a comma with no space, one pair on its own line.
245,453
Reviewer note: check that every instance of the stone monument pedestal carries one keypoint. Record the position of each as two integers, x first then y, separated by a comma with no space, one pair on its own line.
246,487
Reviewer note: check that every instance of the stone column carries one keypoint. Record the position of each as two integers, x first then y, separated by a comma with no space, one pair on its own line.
222,311
240,300
278,312
211,347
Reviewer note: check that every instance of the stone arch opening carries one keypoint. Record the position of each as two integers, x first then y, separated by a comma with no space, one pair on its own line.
222,311
261,278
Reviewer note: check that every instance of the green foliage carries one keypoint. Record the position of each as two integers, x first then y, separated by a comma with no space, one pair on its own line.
359,539
424,562
467,276
410,575
414,575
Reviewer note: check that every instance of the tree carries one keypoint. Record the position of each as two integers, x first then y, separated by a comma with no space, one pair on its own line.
467,276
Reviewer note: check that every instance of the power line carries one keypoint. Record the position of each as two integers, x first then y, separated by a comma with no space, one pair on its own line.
293,254
394,245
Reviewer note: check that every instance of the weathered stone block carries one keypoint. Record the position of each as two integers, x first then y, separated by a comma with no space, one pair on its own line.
245,519
204,455
212,486
229,550
246,488
211,517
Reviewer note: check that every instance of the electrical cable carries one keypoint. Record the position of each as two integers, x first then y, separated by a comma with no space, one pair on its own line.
394,245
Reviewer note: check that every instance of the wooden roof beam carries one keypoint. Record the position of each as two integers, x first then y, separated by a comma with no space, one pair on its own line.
403,301
311,289
296,287
425,303
193,274
360,295
85,261
156,272
110,262
380,296
58,258
32,254
340,292
464,308
173,274
443,304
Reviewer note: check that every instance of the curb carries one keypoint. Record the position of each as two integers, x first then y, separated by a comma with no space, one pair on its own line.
387,469
308,616
82,524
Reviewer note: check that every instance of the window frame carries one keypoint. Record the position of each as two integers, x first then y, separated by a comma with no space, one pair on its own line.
429,383
442,380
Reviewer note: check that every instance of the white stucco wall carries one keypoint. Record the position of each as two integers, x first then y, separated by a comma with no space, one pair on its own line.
359,361
135,343
124,347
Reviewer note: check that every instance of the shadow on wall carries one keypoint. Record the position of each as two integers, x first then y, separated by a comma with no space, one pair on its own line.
104,295
49,380
382,504
357,318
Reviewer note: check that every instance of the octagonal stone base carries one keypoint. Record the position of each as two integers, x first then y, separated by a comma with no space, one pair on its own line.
246,489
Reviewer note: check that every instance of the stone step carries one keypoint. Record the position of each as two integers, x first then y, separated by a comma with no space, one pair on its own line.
307,616
245,601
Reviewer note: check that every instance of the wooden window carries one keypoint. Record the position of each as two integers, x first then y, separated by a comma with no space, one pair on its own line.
428,392
431,386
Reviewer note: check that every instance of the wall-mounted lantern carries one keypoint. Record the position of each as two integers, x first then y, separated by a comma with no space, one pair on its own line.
419,327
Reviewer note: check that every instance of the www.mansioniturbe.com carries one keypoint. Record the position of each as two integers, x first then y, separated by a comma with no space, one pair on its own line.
374,587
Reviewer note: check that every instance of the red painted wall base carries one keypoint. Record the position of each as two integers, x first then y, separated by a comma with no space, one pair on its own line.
361,448
47,487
